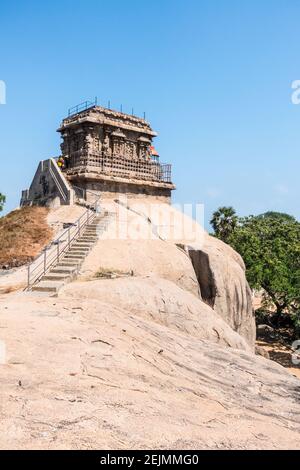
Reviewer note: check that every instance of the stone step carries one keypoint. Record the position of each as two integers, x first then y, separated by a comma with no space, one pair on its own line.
74,264
87,236
76,254
52,276
65,267
82,254
74,257
83,244
82,248
48,286
78,250
90,233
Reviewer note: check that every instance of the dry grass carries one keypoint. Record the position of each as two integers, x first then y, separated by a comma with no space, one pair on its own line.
23,234
10,289
112,273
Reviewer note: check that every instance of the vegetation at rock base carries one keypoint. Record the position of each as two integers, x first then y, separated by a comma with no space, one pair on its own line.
23,234
2,201
270,246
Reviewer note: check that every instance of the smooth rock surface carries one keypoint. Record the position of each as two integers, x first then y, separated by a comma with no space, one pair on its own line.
86,374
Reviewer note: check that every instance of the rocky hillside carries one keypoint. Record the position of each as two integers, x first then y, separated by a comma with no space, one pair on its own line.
152,347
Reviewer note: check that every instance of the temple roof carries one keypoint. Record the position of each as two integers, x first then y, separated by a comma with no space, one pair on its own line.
99,115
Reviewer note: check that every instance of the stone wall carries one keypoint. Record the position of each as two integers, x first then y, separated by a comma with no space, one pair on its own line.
49,187
112,189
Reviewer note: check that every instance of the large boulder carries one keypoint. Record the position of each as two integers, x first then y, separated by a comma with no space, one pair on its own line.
161,240
224,285
130,244
163,302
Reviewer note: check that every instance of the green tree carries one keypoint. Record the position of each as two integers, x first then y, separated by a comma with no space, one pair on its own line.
277,215
2,201
224,221
270,247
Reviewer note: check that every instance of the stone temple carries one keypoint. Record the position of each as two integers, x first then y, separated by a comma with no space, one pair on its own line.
106,152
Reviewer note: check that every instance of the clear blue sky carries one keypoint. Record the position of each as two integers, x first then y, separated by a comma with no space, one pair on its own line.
213,76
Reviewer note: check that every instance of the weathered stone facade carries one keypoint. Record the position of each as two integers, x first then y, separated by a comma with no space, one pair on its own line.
107,132
104,146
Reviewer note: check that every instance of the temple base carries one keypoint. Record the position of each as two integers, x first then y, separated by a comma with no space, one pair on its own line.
111,187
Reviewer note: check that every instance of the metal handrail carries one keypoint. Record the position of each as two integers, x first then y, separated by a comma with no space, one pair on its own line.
84,106
53,252
84,193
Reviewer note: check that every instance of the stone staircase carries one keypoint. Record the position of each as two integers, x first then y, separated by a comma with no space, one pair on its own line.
67,268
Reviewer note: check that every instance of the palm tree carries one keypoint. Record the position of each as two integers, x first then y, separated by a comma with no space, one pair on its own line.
224,221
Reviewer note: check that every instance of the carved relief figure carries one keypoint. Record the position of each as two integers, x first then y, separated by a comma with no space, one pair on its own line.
118,146
106,146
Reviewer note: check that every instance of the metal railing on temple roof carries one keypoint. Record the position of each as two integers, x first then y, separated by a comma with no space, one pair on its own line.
84,106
